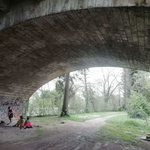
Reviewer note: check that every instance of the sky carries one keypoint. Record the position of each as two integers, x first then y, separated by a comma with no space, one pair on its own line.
97,73
94,76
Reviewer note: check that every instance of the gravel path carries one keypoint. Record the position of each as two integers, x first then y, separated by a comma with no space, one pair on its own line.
68,136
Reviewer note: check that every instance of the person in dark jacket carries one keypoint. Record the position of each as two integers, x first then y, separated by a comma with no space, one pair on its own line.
10,114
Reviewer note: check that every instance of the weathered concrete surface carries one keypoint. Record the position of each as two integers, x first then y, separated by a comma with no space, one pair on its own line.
42,39
16,11
16,105
38,50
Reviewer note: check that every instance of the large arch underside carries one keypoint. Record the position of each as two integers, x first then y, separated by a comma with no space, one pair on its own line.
38,50
16,11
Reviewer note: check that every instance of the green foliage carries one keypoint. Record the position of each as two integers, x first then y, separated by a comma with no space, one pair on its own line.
141,83
26,107
45,102
123,128
132,123
82,94
138,107
46,120
60,86
40,131
76,105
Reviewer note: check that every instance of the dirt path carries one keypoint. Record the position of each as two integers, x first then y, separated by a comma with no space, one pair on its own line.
68,136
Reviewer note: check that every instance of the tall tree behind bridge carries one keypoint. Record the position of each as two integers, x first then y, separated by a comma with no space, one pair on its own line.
129,81
141,83
83,72
126,85
61,86
86,90
109,84
66,95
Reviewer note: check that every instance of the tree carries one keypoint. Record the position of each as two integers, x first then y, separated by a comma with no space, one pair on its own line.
138,106
65,101
92,97
83,72
61,86
141,83
26,107
44,102
139,101
127,81
109,84
86,90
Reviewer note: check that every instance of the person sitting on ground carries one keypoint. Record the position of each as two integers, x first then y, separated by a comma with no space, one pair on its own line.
2,123
27,124
20,123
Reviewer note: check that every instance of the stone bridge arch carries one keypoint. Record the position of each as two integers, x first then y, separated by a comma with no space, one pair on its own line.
38,45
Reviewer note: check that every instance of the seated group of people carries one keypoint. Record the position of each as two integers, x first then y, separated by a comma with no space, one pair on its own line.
21,124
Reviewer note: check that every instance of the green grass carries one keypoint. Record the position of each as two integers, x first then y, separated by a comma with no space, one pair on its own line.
123,128
87,116
40,131
46,120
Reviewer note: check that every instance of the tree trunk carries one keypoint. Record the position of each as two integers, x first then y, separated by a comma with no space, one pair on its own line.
86,92
65,101
126,85
26,108
94,109
119,99
106,99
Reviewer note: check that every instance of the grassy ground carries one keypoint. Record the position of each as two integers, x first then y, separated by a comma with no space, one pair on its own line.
45,120
87,116
120,129
53,120
124,129
48,120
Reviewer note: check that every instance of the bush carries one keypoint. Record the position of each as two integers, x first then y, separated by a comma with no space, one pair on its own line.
138,107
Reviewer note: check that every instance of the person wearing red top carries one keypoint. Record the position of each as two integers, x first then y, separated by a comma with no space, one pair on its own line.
27,124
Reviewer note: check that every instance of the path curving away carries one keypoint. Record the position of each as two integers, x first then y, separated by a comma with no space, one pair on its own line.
68,136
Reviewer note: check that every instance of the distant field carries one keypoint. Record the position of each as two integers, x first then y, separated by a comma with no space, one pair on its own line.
87,116
48,120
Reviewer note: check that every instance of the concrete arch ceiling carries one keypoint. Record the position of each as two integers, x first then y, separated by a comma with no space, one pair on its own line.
38,44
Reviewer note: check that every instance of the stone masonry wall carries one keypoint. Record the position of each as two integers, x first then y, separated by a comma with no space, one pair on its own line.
38,50
21,10
43,40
